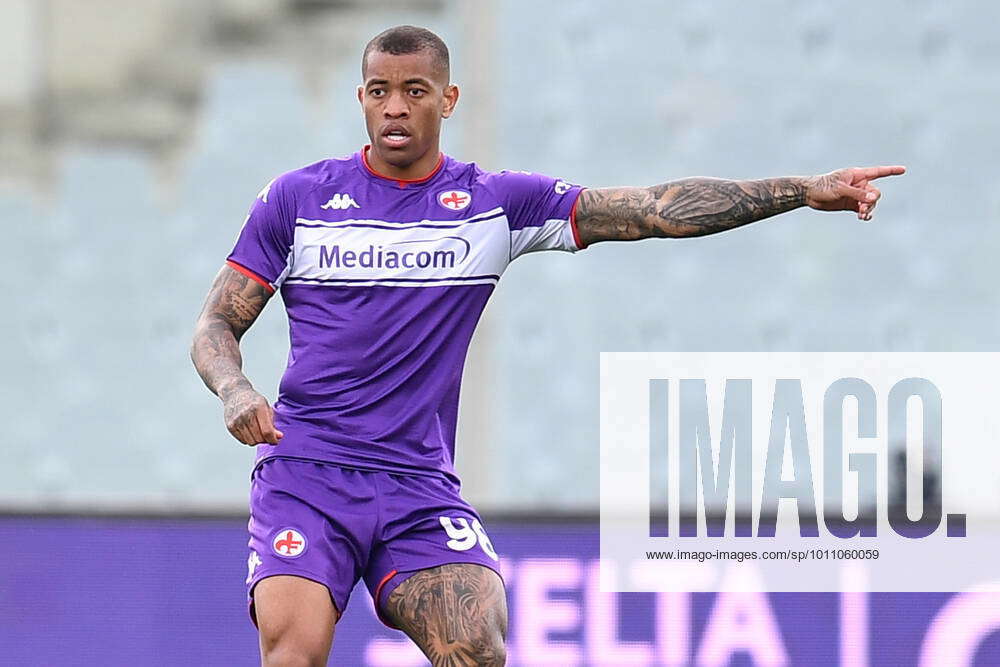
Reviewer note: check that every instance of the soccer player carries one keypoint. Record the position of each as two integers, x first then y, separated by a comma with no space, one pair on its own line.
385,260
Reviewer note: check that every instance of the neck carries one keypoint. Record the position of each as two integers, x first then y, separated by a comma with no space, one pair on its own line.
414,171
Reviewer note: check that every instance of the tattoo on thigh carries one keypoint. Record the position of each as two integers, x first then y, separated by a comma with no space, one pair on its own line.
456,614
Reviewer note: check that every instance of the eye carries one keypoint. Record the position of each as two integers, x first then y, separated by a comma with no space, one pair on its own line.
417,92
376,92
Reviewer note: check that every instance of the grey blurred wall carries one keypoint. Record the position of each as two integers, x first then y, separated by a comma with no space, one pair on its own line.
135,135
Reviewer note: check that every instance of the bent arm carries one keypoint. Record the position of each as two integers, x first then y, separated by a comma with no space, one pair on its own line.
688,207
233,304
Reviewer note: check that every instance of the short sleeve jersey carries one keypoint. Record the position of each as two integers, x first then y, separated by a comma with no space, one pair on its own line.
384,281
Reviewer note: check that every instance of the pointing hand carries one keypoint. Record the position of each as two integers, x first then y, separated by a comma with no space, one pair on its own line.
848,189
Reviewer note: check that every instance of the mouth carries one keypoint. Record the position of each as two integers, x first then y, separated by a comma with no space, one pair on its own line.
396,137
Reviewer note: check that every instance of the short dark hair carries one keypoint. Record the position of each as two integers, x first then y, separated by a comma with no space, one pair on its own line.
404,39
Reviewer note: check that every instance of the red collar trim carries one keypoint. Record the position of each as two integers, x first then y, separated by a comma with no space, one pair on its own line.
400,181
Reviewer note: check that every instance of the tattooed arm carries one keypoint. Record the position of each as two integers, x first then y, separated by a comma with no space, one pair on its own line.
700,206
232,305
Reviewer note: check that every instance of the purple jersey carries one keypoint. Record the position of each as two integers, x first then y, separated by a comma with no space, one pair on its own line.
384,281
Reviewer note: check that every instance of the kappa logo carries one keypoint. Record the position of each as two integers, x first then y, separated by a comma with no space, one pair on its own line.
253,562
288,543
454,200
340,202
562,187
266,190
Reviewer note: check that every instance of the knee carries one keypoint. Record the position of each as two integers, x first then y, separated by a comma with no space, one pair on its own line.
493,655
289,654
487,649
291,646
489,634
478,647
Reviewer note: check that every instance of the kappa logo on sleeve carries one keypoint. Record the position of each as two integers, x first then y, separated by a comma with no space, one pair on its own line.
288,543
265,191
562,187
340,202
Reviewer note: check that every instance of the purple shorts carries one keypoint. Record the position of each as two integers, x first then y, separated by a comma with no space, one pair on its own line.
336,525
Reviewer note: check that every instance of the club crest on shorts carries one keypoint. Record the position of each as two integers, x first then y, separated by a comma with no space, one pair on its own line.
454,200
288,543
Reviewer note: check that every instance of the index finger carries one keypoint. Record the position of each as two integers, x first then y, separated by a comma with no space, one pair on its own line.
878,172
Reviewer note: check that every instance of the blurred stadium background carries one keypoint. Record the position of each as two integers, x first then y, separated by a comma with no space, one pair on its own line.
134,134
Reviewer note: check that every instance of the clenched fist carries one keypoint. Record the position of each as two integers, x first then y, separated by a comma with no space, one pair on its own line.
250,418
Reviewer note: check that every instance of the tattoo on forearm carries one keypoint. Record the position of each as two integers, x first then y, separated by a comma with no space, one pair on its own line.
233,304
689,207
456,614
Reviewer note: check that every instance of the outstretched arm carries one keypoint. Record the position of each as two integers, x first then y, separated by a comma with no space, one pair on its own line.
700,206
233,303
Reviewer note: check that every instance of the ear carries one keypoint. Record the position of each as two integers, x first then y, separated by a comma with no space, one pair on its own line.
450,100
361,95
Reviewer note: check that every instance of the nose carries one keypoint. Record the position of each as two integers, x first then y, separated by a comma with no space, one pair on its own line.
396,106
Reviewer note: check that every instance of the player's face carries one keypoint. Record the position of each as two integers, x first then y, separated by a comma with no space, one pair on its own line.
404,98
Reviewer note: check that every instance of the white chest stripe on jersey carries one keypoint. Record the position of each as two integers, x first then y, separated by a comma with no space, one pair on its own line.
479,217
419,254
